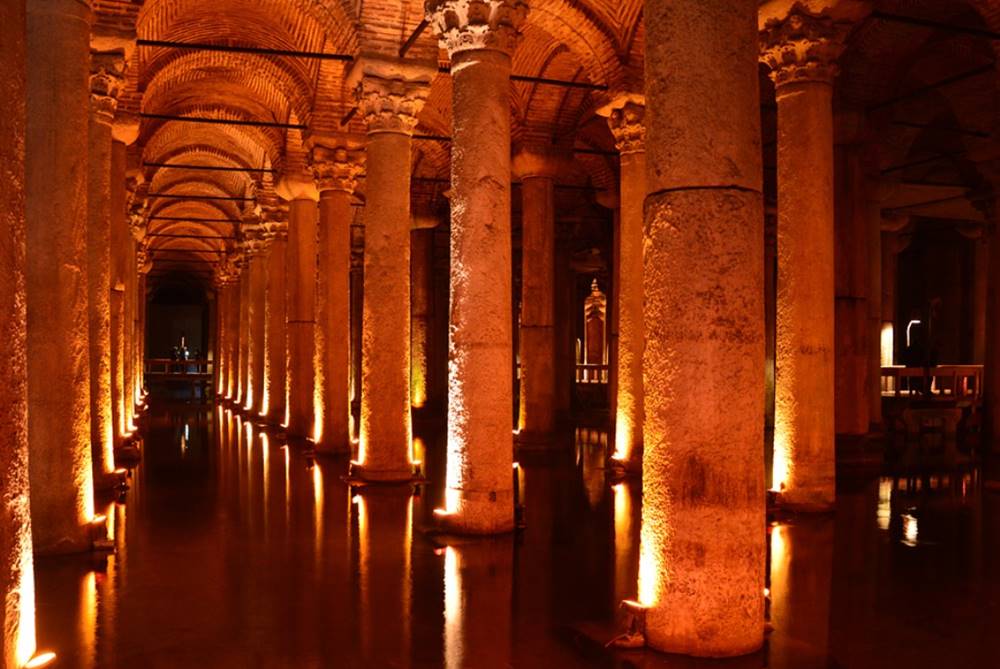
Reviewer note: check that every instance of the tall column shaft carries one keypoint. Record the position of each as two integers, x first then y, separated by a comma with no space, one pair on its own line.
301,314
121,239
625,117
106,71
233,366
479,482
62,503
17,580
800,51
243,364
701,570
221,338
258,331
333,331
873,234
538,378
421,246
276,360
140,335
384,449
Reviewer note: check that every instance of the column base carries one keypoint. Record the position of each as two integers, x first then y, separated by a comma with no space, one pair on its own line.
110,480
619,470
803,502
478,513
361,473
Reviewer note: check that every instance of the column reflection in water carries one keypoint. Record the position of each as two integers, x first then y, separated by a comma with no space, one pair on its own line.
317,490
626,543
591,455
383,544
477,603
801,572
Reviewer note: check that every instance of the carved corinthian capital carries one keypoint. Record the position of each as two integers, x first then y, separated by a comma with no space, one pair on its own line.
335,168
390,92
625,118
107,79
273,218
803,47
464,25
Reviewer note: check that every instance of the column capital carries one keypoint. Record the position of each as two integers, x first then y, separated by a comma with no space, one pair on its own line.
143,261
107,79
125,127
390,92
626,115
467,25
138,213
803,46
335,168
274,218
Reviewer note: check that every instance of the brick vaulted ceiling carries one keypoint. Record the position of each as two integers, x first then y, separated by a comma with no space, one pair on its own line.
594,41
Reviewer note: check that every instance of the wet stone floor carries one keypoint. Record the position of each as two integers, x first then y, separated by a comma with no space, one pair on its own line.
235,550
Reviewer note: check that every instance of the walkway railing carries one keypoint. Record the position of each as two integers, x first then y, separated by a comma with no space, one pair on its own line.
939,382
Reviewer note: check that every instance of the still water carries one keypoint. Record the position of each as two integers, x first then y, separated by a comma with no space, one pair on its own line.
234,549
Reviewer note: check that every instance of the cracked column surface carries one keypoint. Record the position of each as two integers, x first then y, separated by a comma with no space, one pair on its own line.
275,359
17,623
701,570
479,492
537,169
801,50
300,305
390,95
106,81
62,503
335,171
625,117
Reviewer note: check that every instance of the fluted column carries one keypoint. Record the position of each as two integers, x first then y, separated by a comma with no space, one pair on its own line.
62,503
390,95
300,296
801,51
17,621
701,570
537,169
275,359
124,131
625,117
106,80
335,170
479,492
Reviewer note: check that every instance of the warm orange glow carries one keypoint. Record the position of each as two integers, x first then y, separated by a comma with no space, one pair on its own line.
40,660
418,451
652,572
319,414
88,615
623,432
883,513
25,644
781,466
624,548
317,481
453,646
780,575
910,530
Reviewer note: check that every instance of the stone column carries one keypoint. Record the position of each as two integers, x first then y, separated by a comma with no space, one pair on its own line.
107,77
851,402
257,251
300,296
221,332
137,222
625,117
479,493
335,170
701,570
17,580
421,269
144,265
243,352
537,169
390,95
801,50
62,502
234,265
275,359
873,234
124,131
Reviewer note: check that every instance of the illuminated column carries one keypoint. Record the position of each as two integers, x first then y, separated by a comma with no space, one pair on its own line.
335,171
421,271
256,246
107,72
124,131
390,95
893,242
17,580
701,572
137,222
221,332
62,501
144,265
300,305
625,117
233,270
275,359
243,360
801,50
537,170
479,493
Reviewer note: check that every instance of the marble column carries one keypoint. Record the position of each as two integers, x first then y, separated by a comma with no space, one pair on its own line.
17,580
701,568
390,95
144,265
221,332
124,131
421,299
62,502
300,304
137,223
234,271
275,359
625,117
537,169
256,248
107,77
335,170
479,493
243,352
801,50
